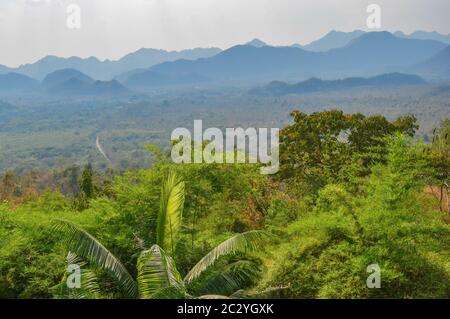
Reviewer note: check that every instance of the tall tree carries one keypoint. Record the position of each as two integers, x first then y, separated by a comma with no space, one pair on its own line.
87,182
316,147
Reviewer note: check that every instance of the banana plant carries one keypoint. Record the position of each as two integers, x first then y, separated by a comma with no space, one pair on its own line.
157,274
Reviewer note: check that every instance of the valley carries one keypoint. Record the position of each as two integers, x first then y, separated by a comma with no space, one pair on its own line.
53,132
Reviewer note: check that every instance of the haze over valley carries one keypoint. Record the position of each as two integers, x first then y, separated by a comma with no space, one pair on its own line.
52,111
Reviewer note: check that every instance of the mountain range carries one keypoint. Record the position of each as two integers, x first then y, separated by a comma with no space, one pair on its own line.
106,70
336,55
318,85
371,53
338,39
65,82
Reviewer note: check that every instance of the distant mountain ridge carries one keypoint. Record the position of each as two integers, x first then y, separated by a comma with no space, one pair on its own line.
371,53
437,66
106,70
423,35
14,82
338,39
333,40
71,82
66,82
381,51
318,85
359,54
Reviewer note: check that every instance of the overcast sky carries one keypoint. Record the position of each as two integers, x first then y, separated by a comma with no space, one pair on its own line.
31,29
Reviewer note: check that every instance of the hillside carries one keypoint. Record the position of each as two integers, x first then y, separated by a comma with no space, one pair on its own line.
58,77
17,82
317,85
437,66
77,87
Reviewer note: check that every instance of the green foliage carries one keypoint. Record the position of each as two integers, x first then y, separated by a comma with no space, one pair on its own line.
353,191
86,246
89,288
171,209
157,275
327,251
31,258
248,241
157,271
317,147
87,183
228,278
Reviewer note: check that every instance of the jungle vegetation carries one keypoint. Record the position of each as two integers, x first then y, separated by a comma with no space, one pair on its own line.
352,190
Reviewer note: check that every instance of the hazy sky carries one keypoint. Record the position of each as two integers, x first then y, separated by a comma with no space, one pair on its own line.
31,29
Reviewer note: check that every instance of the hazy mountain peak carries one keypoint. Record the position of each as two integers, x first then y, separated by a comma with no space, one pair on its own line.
256,43
373,36
333,40
63,75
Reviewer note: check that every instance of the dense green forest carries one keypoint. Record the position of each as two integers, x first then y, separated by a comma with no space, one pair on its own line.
352,190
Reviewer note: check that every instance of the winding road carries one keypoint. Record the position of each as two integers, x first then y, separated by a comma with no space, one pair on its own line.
100,149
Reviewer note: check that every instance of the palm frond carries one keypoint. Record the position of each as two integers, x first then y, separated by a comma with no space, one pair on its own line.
89,288
173,292
269,293
74,259
156,271
171,209
232,277
248,241
88,247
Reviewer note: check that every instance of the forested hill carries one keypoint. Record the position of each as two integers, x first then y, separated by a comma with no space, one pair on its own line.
318,85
